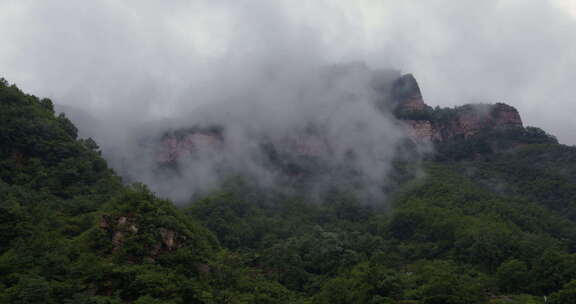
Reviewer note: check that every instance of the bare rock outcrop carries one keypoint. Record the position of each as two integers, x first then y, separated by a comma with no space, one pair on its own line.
120,228
406,92
422,131
462,122
174,146
504,115
404,97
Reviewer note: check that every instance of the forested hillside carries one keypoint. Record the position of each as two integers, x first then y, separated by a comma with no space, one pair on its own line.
492,219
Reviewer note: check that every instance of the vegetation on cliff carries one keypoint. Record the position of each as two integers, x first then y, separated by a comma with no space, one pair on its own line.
497,227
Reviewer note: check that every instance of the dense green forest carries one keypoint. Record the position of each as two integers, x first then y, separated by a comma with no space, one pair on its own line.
482,226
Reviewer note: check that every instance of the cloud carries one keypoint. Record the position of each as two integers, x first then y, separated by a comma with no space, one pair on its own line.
519,52
106,52
313,116
247,62
267,72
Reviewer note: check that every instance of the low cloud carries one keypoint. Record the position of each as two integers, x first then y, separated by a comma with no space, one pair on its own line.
257,67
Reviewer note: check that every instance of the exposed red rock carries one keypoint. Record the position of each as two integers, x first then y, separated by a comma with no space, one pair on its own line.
168,238
422,127
473,119
173,147
422,131
468,120
506,116
124,226
406,92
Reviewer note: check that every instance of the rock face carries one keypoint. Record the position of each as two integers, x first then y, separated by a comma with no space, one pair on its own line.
422,131
406,92
304,144
122,227
506,116
438,125
423,124
174,146
472,119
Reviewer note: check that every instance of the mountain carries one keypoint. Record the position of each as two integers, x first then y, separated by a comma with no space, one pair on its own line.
488,217
424,125
465,131
441,125
71,232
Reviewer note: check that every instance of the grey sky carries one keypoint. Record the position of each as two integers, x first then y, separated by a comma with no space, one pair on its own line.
139,59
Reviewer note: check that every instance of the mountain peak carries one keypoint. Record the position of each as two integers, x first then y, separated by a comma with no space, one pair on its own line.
406,92
427,124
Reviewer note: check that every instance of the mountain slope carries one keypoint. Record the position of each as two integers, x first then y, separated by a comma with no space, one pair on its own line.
491,221
70,232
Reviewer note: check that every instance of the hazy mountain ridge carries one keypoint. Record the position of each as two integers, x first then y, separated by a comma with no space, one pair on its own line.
402,96
482,226
444,124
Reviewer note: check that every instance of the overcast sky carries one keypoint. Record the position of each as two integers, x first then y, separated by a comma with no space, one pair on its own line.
142,57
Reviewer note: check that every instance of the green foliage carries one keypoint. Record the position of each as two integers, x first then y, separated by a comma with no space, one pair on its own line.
543,173
487,224
491,141
566,295
513,276
368,282
516,299
405,114
70,232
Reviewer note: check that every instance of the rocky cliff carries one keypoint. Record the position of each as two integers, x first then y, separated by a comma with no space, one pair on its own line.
407,95
426,124
423,124
185,142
